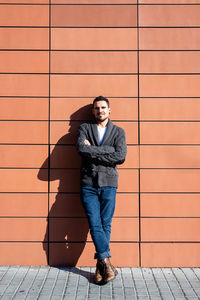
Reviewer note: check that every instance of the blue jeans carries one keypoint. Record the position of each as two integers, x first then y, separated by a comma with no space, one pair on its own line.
99,206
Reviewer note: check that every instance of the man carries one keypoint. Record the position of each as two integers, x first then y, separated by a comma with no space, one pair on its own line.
102,146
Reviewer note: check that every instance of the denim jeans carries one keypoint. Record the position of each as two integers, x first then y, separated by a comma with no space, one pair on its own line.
99,206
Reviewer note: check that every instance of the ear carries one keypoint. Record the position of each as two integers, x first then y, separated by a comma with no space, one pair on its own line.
109,110
93,111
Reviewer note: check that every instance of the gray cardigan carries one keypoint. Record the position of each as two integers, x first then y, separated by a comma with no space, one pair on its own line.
99,161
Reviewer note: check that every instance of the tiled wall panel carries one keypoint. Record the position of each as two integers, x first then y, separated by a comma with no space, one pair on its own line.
69,205
167,1
112,85
24,15
24,1
26,253
68,181
169,156
13,156
22,180
80,254
170,109
92,56
24,110
170,180
93,62
24,204
94,38
74,229
14,38
95,2
67,157
123,109
169,38
24,85
170,254
94,16
170,85
169,62
21,108
169,16
169,205
22,132
162,229
170,132
24,61
169,115
22,229
54,59
59,129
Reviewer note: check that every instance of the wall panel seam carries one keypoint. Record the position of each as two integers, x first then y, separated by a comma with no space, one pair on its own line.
49,137
138,75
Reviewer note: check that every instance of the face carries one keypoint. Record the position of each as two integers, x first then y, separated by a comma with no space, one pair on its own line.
101,111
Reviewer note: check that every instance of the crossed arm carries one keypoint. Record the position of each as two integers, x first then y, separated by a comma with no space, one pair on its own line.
104,154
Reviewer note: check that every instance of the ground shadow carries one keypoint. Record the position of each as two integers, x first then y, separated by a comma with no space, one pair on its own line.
67,227
88,275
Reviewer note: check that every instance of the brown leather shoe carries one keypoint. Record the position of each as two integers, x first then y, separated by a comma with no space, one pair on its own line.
108,272
115,270
98,273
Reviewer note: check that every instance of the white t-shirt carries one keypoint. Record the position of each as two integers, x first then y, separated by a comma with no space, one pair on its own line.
101,133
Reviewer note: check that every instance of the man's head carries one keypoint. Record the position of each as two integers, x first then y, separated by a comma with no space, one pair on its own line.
101,109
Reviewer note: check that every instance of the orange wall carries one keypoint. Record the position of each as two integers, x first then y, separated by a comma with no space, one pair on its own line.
54,59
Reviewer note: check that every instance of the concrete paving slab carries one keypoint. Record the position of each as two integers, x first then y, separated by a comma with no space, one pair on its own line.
71,283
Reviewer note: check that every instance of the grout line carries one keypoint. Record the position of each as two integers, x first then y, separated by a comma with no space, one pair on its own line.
101,4
139,200
116,121
98,27
83,217
112,242
49,146
76,169
99,50
107,74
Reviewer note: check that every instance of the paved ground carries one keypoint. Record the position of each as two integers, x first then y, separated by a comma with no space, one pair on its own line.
26,282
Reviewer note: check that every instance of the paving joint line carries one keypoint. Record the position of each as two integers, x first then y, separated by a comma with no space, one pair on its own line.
122,281
172,269
32,283
77,284
3,275
22,280
156,283
149,297
134,284
167,283
65,286
193,269
10,280
189,282
88,286
54,284
43,282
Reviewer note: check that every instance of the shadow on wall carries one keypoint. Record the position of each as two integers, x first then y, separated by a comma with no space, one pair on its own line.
67,227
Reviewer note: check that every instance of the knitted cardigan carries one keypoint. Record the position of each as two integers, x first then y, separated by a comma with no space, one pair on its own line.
99,162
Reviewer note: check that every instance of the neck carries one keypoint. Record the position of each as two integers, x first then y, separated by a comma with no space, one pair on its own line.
102,124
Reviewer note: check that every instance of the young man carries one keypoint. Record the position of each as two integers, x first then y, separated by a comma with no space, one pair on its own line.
102,146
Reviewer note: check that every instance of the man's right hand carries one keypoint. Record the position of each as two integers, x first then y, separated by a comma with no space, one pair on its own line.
86,142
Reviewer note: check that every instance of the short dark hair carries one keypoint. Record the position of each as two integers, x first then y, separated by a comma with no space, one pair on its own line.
101,98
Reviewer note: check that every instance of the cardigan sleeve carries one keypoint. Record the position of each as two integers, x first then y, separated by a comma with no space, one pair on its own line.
119,155
90,151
